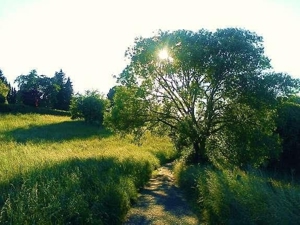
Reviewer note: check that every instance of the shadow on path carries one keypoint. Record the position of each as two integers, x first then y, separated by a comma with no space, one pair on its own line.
161,202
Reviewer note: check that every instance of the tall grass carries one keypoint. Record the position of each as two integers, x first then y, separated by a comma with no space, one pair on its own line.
20,108
57,171
237,197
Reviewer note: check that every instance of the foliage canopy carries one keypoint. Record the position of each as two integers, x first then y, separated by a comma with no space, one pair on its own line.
39,90
206,86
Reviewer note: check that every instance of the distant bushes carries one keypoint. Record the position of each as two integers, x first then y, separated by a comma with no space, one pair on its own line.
236,197
90,107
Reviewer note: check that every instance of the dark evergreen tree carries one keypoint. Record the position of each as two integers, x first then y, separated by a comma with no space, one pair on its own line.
65,91
12,95
68,93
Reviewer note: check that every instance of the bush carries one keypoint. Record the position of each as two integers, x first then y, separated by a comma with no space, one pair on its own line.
90,107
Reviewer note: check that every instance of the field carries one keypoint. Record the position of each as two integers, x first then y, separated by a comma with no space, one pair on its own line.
57,171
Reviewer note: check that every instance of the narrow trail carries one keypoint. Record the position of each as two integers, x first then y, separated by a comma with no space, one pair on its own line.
161,203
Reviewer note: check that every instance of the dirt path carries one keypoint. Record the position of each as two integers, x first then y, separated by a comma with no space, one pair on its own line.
161,203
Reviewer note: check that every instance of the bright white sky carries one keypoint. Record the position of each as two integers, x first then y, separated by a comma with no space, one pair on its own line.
88,38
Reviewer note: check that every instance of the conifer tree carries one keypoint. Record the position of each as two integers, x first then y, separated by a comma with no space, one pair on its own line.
65,90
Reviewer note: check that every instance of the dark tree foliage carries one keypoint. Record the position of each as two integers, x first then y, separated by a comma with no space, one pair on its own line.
65,87
40,90
12,95
110,95
288,128
29,92
90,107
31,97
68,93
49,92
203,86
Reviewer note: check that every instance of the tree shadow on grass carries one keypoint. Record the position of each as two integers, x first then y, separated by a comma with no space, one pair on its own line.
68,130
75,191
25,109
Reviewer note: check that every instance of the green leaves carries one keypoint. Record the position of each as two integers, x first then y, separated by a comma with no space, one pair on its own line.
39,90
4,89
89,107
197,89
288,128
129,111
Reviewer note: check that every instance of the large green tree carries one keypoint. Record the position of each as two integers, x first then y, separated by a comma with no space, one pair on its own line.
199,85
29,88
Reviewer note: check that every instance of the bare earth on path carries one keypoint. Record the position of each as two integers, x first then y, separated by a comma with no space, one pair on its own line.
161,203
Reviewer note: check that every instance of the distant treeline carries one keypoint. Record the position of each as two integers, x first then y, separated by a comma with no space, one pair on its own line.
38,90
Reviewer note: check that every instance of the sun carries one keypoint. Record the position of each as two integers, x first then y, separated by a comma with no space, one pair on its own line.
163,54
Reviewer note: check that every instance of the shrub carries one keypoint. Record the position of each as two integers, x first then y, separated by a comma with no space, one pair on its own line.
90,107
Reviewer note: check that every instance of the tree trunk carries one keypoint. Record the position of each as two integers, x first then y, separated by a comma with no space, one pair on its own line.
200,151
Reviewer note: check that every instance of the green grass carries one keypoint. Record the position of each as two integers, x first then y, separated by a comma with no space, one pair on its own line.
57,171
237,197
20,108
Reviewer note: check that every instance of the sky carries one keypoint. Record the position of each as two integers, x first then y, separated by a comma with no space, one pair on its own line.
87,39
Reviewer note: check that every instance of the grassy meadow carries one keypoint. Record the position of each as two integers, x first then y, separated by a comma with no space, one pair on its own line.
57,171
239,197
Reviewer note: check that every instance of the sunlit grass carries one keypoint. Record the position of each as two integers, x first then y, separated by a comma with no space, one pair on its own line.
237,197
57,171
